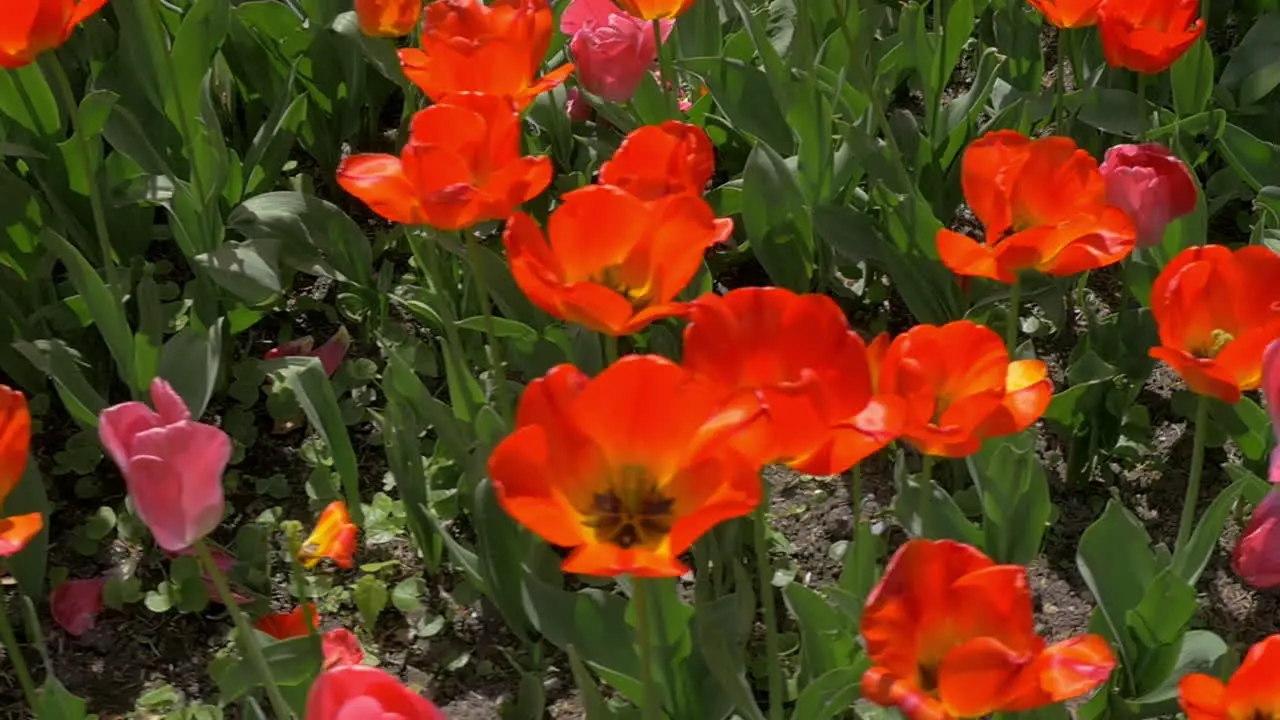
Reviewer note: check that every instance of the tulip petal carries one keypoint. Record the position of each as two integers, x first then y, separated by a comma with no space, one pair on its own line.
168,403
1252,691
175,479
605,560
535,491
18,530
1201,375
379,181
118,425
965,256
75,604
987,173
975,676
15,439
1202,697
360,691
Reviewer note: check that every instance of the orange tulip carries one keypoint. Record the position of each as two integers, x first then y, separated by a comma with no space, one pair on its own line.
388,18
1251,693
333,538
627,468
15,444
793,357
462,166
659,160
283,626
496,49
655,9
31,27
959,386
1217,311
618,279
1148,36
1068,14
1043,205
951,634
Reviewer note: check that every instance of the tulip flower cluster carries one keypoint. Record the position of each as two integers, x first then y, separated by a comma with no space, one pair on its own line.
1145,36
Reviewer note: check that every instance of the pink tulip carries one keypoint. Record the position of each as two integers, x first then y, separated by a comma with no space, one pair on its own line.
1151,185
75,604
1271,393
576,106
349,692
172,465
611,49
1256,558
331,354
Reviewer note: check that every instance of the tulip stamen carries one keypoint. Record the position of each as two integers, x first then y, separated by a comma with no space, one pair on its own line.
611,277
631,512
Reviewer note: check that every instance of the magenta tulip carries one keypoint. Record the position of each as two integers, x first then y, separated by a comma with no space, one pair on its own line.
1271,394
331,354
172,465
1256,558
75,604
360,691
612,50
1151,185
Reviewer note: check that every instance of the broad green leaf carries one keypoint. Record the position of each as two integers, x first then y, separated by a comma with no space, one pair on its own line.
721,638
1192,79
147,342
203,28
828,639
778,223
56,701
191,361
828,695
27,99
307,229
63,365
1256,161
743,93
306,377
1199,652
274,139
926,510
500,562
249,270
1194,557
1254,67
371,598
1161,617
295,661
1015,498
1115,559
593,703
108,314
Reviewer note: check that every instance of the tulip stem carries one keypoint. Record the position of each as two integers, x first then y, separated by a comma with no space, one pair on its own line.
764,569
651,705
1144,120
1015,307
670,87
54,71
1193,482
493,352
15,655
248,643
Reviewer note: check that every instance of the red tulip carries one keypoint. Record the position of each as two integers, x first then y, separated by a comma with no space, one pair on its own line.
31,27
1148,36
1252,691
1150,184
360,692
341,648
331,354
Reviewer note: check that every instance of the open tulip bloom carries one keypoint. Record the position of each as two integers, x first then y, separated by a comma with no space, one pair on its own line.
32,27
15,445
950,634
1252,691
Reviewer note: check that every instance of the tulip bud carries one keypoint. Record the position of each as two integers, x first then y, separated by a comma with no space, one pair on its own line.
1151,185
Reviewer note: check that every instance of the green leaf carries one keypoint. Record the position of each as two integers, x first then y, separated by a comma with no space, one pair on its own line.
274,139
1254,67
1192,79
108,313
591,621
1194,557
1015,497
371,599
721,637
295,661
593,703
778,223
306,377
404,457
249,270
1107,109
743,93
63,365
381,52
58,702
203,28
29,565
191,361
861,570
828,695
828,640
1256,161
308,231
1115,559
1200,652
147,343
1161,617
26,98
926,510
500,562
502,327
407,595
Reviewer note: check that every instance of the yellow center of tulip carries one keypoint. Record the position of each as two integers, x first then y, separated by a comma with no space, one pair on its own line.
631,512
1220,340
612,278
